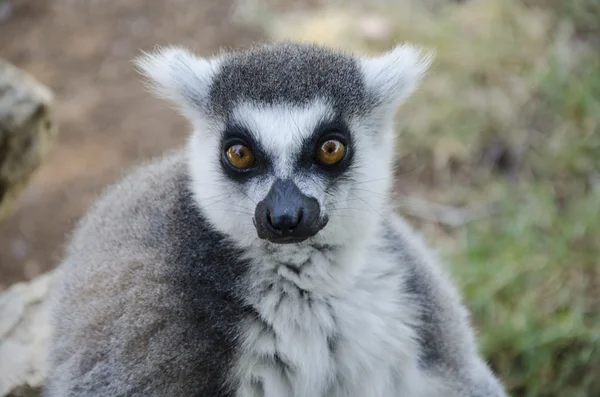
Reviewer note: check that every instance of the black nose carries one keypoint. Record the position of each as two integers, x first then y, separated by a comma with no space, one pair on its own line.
287,215
282,221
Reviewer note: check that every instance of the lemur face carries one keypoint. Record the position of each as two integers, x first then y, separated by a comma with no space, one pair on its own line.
293,143
292,161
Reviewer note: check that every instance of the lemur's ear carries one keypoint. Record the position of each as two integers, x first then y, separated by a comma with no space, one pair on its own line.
178,75
394,75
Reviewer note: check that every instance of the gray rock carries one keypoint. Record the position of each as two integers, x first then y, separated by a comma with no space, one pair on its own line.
24,333
27,130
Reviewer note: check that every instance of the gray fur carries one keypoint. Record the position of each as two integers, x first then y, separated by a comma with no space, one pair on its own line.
167,291
288,72
144,310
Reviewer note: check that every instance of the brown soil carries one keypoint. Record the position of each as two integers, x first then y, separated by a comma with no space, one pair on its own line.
82,49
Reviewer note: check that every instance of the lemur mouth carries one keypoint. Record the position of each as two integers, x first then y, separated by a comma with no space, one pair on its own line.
286,240
291,238
287,216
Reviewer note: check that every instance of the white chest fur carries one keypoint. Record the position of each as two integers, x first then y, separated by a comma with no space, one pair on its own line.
325,327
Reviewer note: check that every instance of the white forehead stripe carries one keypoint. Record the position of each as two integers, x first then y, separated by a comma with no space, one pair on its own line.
282,128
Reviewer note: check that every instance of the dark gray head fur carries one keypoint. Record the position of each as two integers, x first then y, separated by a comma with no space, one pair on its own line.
287,72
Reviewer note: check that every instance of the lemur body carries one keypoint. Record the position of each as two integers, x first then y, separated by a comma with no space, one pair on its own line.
264,260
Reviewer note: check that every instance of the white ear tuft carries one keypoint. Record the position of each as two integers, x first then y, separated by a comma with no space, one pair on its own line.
394,76
178,75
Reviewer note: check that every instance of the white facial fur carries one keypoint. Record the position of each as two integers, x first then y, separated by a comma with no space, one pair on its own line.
353,207
281,130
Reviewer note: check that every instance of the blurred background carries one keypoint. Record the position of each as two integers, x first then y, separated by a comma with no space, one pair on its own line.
499,150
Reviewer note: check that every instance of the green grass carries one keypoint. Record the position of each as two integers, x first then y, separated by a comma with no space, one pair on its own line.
532,282
510,115
532,275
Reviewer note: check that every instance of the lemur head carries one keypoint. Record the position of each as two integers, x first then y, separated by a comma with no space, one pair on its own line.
293,143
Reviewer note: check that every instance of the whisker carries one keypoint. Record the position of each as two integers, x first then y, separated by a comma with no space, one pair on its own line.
372,192
344,216
375,180
216,202
377,212
214,197
221,186
344,201
396,175
350,209
228,210
241,207
249,198
229,194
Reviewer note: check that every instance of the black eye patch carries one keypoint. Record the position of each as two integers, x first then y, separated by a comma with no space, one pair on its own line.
237,134
336,130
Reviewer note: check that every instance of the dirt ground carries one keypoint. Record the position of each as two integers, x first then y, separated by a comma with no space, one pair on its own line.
82,49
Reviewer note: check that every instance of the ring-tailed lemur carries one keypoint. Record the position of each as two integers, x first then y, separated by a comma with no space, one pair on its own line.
265,259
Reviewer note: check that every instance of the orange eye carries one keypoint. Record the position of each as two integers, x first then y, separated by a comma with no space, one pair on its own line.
331,152
240,156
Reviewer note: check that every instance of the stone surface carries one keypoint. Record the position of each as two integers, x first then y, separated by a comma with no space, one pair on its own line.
26,130
24,333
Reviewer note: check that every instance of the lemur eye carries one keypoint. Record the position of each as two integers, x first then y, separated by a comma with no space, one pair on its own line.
331,152
240,156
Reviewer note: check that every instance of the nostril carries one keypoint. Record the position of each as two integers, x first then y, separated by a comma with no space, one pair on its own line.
270,219
299,216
